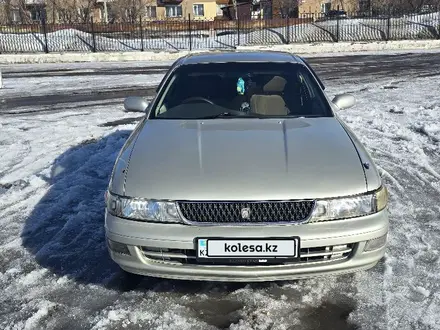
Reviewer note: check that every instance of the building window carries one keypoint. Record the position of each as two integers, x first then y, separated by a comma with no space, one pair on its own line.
325,7
150,12
173,11
199,10
15,15
220,10
35,14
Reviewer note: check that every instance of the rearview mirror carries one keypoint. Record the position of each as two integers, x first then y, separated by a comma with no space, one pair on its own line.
344,101
135,104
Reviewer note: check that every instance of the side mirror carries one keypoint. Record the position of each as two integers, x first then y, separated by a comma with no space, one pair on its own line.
135,104
344,101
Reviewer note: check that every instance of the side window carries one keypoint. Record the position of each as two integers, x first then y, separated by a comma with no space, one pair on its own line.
170,70
313,73
163,104
310,93
305,85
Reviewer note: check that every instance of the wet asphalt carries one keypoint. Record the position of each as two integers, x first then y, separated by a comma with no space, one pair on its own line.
353,67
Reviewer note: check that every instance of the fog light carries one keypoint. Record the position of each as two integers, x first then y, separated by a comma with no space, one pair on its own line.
118,247
376,243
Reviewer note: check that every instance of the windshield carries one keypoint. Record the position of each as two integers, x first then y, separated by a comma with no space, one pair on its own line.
240,90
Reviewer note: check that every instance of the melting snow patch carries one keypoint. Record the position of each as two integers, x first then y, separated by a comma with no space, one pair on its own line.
43,310
63,280
431,130
33,277
423,291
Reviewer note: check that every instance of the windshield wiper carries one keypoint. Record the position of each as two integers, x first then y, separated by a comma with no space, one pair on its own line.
233,114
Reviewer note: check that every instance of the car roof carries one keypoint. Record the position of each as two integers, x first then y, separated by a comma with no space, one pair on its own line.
241,56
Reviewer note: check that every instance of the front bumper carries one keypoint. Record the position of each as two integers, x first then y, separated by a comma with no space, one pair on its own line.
142,239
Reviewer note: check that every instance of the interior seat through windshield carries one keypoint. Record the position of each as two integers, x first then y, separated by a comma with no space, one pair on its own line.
241,89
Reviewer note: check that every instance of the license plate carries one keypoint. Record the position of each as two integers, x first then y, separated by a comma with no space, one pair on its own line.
209,248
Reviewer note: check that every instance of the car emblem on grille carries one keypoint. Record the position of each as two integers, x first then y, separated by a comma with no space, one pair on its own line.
245,213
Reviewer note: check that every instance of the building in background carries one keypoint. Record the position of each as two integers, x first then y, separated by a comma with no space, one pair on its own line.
106,11
184,9
152,10
248,9
324,6
17,11
132,11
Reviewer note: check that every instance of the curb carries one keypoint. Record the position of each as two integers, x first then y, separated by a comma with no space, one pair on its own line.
301,49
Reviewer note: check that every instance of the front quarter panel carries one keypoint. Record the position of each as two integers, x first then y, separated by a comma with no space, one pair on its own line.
372,177
119,172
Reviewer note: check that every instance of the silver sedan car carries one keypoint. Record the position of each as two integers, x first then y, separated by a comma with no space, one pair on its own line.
241,170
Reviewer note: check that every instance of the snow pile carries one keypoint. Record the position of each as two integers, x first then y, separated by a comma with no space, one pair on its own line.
309,50
393,28
365,29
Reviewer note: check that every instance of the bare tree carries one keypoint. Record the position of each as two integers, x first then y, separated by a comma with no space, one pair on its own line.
128,11
403,5
5,12
346,5
18,6
70,11
286,8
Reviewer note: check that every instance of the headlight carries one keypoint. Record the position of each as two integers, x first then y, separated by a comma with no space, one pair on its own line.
350,207
142,209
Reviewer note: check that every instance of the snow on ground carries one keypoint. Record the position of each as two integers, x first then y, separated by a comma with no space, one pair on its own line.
55,272
394,28
406,27
146,58
398,121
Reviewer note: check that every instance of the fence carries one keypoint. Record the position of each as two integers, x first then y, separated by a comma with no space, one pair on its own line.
196,35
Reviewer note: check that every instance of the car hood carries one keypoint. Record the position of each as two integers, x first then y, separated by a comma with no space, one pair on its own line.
244,159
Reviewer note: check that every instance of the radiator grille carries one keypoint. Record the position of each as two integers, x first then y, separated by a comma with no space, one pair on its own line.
240,212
